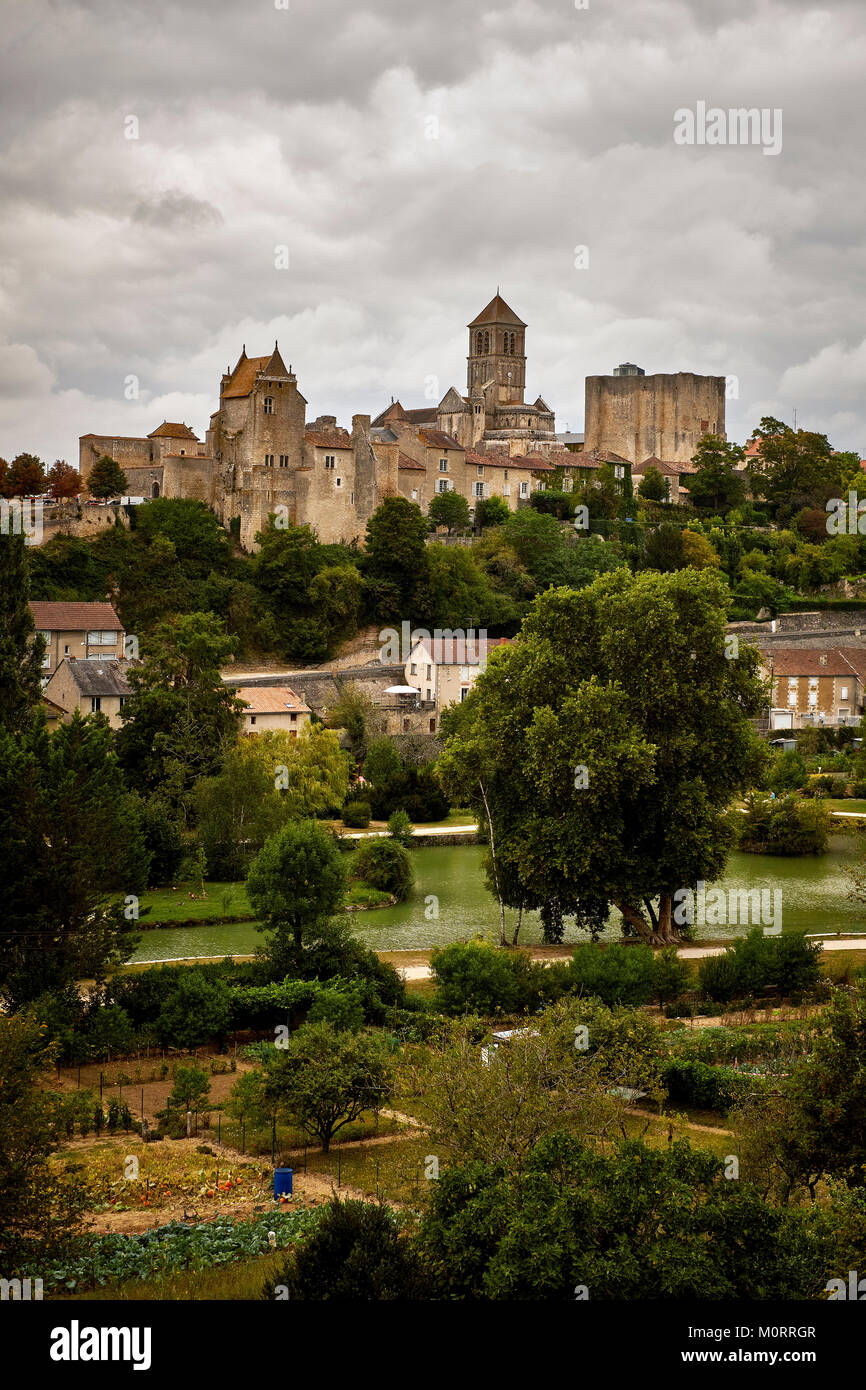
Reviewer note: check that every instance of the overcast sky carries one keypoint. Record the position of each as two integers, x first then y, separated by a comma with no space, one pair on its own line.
412,157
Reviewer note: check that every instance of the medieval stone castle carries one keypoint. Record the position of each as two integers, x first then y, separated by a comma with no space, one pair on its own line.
260,456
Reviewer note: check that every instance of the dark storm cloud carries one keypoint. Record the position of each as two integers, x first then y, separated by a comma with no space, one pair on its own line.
411,157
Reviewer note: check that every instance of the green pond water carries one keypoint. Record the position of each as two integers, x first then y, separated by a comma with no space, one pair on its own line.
814,898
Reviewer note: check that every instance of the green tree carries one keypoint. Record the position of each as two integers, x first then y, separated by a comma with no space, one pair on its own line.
653,486
323,1080
717,483
193,530
491,511
39,1208
197,1011
296,882
458,594
385,865
787,772
382,760
698,551
106,479
235,812
449,509
21,649
784,825
191,1088
605,745
355,712
355,1254
180,715
72,846
663,549
792,464
395,556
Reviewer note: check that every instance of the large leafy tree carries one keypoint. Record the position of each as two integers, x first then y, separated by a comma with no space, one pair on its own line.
324,1079
106,479
72,845
296,881
180,716
793,463
26,476
64,481
602,749
449,509
395,558
314,591
38,1208
716,482
21,650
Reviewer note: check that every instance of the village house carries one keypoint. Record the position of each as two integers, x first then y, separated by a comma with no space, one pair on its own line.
272,707
815,687
89,630
90,686
675,474
444,669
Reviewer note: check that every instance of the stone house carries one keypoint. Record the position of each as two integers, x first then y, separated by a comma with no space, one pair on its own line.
815,686
444,669
675,474
89,630
91,686
272,707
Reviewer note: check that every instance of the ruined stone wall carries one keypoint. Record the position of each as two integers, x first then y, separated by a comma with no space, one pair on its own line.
644,416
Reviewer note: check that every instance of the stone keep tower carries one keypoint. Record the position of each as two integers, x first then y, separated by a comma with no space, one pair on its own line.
661,416
257,437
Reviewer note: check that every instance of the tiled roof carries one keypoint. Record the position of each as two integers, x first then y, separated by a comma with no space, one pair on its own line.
394,411
815,661
462,651
335,438
170,431
427,416
403,461
438,440
667,467
497,311
74,617
106,677
271,699
244,376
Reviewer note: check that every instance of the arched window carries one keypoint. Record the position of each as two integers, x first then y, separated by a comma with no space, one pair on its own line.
478,342
154,491
486,342
512,344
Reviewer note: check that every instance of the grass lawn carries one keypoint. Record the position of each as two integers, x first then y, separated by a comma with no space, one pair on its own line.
848,803
242,1279
395,1170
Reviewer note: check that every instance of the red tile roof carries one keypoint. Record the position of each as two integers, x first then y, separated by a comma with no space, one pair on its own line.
74,617
334,438
271,699
244,376
438,440
170,431
463,651
817,661
403,461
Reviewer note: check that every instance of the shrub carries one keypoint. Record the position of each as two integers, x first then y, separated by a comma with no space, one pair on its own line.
198,1010
385,865
615,974
473,977
343,1009
357,814
705,1088
755,963
400,827
354,1254
787,825
787,772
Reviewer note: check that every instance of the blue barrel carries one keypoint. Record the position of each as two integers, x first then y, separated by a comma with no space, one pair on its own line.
282,1183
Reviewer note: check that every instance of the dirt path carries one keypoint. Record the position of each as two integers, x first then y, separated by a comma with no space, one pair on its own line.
687,1124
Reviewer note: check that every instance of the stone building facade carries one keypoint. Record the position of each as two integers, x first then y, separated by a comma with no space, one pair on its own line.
661,416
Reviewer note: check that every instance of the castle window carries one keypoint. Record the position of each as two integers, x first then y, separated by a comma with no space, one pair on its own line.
505,474
284,460
352,498
330,461
95,704
479,489
269,460
339,482
269,405
480,472
443,465
252,719
506,490
478,342
443,485
478,410
524,489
